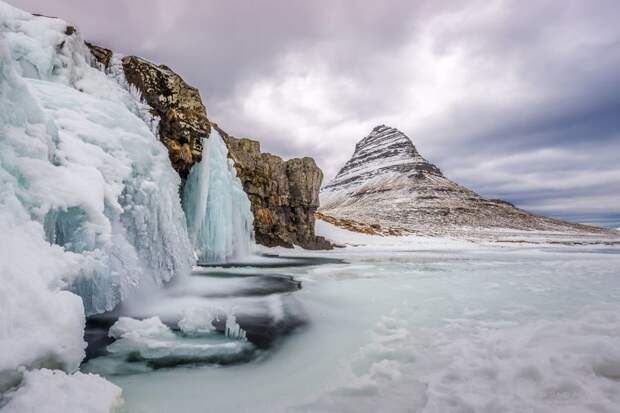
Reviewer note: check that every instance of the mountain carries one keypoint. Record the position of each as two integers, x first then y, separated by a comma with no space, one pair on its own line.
388,187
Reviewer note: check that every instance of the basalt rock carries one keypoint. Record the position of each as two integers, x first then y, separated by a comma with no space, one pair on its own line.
284,194
183,118
101,54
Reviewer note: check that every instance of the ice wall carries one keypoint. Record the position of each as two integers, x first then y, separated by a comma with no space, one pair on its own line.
219,218
88,200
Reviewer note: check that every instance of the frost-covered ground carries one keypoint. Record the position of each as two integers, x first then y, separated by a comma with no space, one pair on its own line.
425,324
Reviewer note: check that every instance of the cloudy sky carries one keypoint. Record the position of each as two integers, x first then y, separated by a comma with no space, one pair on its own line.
518,100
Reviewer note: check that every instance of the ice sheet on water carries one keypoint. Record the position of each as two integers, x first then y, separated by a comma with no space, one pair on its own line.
219,218
144,345
519,329
452,326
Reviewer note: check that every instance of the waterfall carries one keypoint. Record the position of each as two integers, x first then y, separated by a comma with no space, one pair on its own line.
219,218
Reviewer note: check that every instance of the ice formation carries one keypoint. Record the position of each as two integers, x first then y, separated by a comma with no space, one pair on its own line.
233,329
88,200
219,218
144,345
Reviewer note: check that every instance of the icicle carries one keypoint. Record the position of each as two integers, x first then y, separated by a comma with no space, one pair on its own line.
219,217
233,329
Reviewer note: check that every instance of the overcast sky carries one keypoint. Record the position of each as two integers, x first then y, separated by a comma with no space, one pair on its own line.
514,99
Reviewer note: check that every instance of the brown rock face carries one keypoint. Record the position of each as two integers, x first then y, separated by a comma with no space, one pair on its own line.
183,117
284,194
101,54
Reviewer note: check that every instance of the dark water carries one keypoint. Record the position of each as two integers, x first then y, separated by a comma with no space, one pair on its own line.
279,262
263,329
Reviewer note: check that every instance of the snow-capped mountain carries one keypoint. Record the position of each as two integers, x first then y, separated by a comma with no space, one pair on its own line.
386,150
387,185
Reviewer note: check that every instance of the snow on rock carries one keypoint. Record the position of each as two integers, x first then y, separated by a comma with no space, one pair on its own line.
197,321
53,391
131,328
363,241
389,185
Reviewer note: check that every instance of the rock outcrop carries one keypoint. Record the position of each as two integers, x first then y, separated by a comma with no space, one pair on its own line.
387,184
101,54
284,194
183,118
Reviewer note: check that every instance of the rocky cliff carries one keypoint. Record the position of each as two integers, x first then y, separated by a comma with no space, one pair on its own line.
284,194
388,187
183,118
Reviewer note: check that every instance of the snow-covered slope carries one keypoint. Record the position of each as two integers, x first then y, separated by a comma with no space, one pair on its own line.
387,185
89,205
385,151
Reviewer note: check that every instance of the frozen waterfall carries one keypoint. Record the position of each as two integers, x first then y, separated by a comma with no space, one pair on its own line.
81,170
219,218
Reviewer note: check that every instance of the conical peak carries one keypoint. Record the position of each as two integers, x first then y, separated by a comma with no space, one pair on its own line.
386,138
385,150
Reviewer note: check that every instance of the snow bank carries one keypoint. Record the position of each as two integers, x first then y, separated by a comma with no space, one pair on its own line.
40,324
49,391
342,236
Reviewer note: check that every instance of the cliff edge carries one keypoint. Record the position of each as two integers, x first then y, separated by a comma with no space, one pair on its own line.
284,194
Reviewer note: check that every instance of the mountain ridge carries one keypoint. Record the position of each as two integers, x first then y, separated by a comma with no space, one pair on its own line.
388,184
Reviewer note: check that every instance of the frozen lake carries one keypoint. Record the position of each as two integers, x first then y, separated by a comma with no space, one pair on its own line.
433,326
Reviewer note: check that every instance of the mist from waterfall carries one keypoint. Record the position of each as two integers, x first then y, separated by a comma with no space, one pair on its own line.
219,218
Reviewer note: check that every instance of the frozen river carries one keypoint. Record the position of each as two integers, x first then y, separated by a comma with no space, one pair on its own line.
430,326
